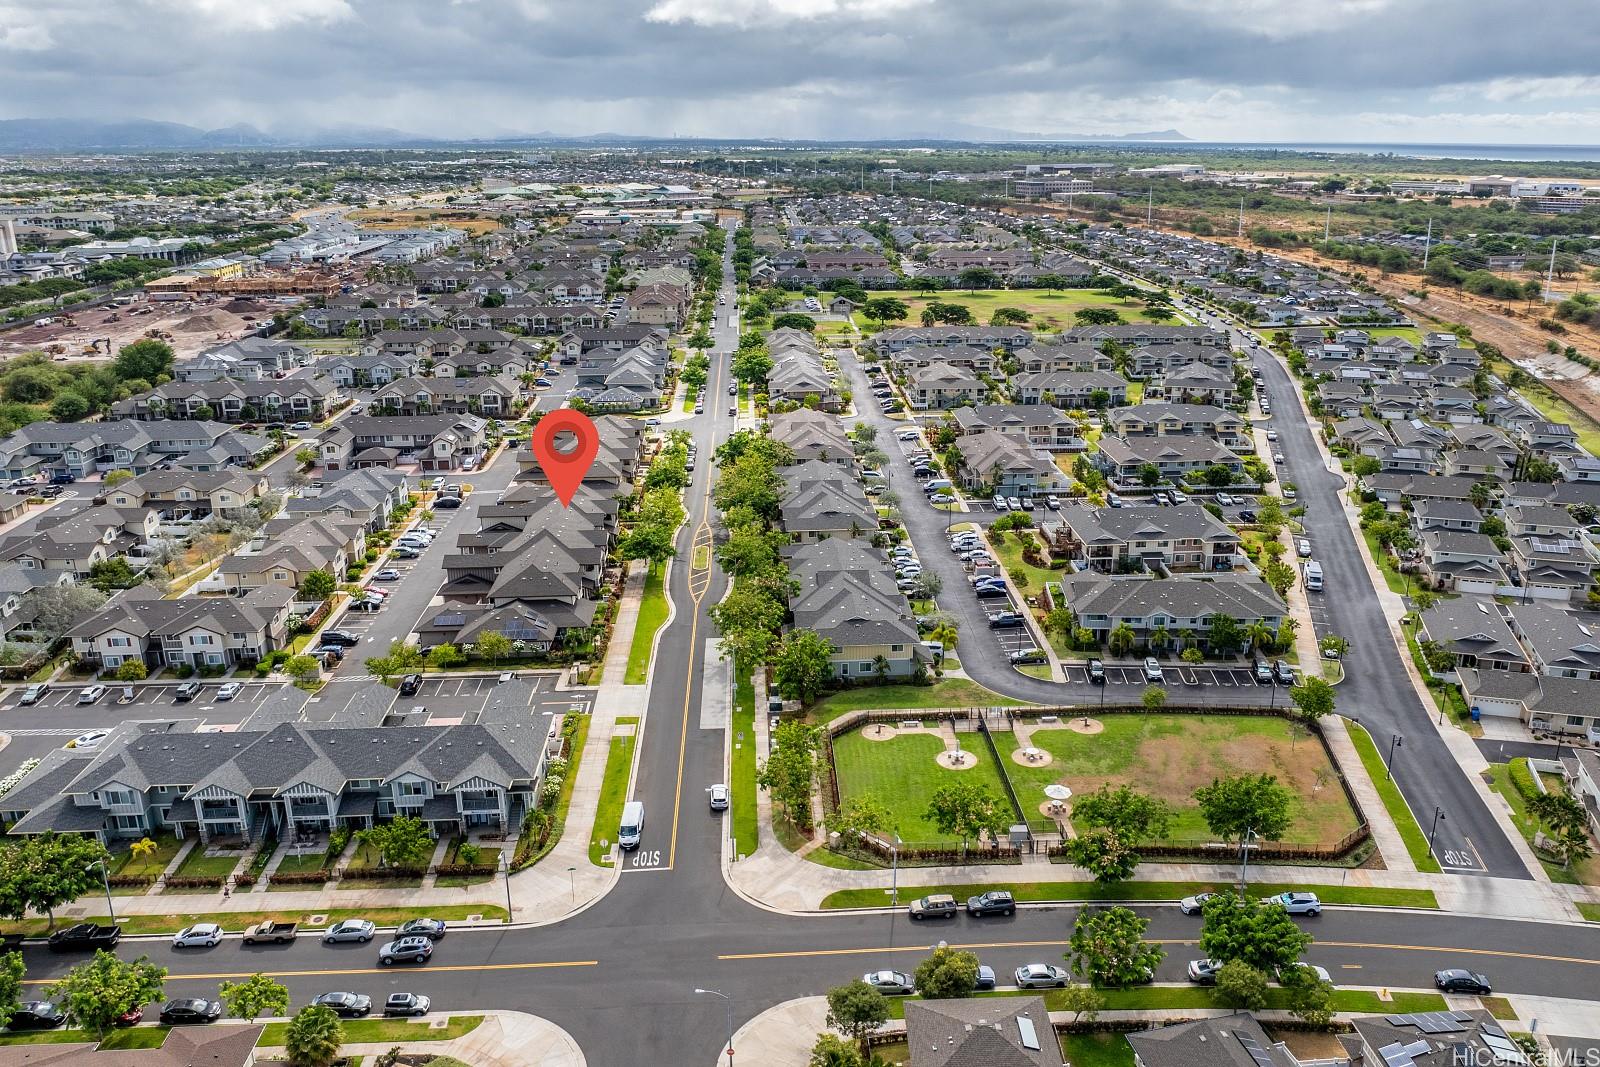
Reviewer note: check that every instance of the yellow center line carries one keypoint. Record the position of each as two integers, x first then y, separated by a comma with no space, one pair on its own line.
358,970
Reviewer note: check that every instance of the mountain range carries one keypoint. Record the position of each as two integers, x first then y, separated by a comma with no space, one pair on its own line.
143,135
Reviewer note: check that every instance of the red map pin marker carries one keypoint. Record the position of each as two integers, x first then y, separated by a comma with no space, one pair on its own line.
565,469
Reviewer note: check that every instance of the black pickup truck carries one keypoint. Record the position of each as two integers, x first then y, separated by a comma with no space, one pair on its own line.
85,937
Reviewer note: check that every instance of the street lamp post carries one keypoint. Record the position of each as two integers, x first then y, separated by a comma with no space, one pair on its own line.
1245,842
729,1002
505,869
1395,741
105,881
1438,817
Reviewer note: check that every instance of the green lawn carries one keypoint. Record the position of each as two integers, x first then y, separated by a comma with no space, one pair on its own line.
1589,911
1074,891
1096,1050
198,865
1050,311
1170,756
136,1037
1028,578
315,861
1391,577
1393,802
1585,873
361,1031
742,786
126,863
902,774
952,693
613,794
652,615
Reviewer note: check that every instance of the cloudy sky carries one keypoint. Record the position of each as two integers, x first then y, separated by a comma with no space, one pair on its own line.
1485,71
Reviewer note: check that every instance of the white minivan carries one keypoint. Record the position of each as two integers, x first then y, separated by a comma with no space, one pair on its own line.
632,826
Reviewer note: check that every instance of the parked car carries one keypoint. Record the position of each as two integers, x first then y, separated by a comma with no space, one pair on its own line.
890,983
1152,670
432,929
1204,971
388,574
185,692
994,902
987,590
407,1004
1097,672
1303,548
934,906
1000,504
1195,904
345,1005
271,933
1296,903
229,690
1029,655
359,930
1247,515
718,795
88,739
1272,435
405,950
36,1015
1114,500
85,937
188,1011
1458,980
333,652
200,935
410,684
1041,976
1015,502
447,502
90,694
33,694
985,980
340,637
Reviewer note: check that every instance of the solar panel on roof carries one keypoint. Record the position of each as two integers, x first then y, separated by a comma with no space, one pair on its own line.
1257,1053
1027,1033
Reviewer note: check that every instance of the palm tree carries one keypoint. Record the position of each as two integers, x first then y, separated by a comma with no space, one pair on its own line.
1120,640
1258,634
1186,639
314,1037
1159,637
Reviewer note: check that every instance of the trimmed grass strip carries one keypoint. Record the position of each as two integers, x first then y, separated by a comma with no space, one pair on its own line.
613,794
1416,841
359,1031
652,616
951,693
743,788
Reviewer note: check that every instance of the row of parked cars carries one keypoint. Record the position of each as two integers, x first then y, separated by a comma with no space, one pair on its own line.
185,1011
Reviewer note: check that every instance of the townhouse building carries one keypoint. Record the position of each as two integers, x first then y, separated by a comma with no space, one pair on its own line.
140,625
1119,540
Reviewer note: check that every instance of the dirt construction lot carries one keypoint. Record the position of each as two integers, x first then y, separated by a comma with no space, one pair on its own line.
188,325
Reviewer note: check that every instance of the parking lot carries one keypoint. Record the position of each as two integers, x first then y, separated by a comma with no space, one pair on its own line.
145,696
1172,674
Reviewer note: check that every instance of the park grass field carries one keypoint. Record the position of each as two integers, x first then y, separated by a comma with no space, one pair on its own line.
901,774
1170,756
1050,311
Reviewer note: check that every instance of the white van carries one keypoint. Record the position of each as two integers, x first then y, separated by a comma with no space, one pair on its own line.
1313,576
936,485
632,826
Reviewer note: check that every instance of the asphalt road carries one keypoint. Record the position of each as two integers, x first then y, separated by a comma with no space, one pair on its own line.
621,981
1377,691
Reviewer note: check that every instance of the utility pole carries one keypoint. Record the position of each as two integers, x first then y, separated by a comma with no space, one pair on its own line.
1550,275
1327,225
1241,216
1150,208
1395,741
891,183
1427,246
